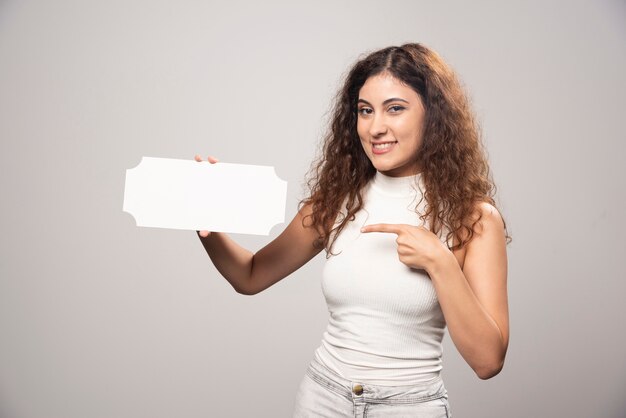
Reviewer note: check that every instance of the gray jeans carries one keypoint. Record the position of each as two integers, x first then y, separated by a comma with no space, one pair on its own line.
323,393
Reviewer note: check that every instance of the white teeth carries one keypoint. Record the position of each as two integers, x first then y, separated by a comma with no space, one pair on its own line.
383,146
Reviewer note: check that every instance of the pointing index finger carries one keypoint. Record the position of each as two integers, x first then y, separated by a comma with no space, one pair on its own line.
389,228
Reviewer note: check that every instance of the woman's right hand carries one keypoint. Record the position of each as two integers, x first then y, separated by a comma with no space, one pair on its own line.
212,160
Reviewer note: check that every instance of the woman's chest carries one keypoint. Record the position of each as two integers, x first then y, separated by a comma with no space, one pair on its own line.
365,269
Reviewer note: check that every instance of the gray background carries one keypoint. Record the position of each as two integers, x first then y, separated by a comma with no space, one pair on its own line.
100,318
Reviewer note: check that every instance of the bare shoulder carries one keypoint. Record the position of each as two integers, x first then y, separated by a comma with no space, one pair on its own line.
303,218
488,246
490,224
490,217
306,209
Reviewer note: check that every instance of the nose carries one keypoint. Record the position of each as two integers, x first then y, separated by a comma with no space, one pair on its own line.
378,126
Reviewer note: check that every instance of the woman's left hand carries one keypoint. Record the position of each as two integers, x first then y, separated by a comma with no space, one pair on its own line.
418,248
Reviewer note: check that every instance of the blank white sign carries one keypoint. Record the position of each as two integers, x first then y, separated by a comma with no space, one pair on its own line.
221,197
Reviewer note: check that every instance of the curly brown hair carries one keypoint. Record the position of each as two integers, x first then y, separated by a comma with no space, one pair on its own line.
455,171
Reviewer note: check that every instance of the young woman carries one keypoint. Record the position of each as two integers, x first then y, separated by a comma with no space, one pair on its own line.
403,204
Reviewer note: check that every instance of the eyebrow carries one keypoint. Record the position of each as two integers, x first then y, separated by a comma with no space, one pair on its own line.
393,99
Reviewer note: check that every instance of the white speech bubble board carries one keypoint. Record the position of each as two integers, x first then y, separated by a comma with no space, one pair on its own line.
221,197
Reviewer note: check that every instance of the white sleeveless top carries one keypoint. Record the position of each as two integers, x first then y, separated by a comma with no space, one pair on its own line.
385,325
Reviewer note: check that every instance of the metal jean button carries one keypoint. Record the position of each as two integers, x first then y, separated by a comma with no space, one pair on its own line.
358,390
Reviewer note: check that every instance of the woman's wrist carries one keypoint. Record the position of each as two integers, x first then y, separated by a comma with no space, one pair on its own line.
441,261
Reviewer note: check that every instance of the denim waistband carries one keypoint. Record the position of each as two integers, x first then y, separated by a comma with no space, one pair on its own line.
354,391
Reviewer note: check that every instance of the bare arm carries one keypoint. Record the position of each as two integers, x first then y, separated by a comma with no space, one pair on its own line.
474,299
251,273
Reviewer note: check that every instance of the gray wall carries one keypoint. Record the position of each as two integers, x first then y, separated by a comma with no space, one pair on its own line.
100,318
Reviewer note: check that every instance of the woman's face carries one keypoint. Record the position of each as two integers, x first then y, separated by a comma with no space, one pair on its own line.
389,124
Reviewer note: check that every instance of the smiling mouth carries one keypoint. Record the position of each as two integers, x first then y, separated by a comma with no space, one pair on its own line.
383,145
